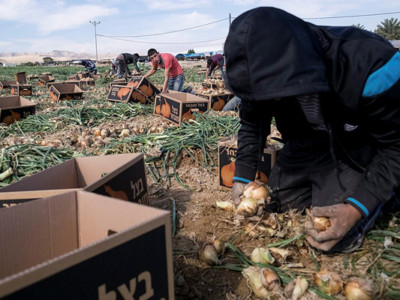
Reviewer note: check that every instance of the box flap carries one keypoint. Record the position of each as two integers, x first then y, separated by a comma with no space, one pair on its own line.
36,232
115,215
62,176
14,102
92,169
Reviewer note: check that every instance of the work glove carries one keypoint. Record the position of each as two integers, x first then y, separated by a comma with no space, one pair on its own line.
237,191
342,218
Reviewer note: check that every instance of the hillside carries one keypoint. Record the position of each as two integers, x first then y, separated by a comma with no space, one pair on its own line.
57,55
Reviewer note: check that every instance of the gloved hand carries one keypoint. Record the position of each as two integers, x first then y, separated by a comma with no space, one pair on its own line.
237,191
342,218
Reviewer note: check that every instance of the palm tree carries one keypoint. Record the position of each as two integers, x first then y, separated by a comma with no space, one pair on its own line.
389,29
359,26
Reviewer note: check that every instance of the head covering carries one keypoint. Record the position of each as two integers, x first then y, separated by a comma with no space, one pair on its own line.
271,53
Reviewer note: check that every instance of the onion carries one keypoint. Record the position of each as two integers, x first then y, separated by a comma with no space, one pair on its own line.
301,286
269,279
328,282
97,132
253,276
262,255
247,207
124,132
321,223
226,205
255,190
219,246
105,133
209,255
359,289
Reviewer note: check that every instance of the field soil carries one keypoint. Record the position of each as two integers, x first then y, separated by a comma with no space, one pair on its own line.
197,221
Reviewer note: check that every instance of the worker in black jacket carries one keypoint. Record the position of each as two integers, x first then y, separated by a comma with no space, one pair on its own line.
335,95
120,64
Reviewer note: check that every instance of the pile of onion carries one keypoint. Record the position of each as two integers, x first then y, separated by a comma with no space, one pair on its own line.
255,195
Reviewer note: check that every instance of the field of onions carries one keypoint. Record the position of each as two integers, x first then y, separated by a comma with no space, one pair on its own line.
218,253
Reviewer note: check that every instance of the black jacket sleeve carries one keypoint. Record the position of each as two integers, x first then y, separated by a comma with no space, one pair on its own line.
255,126
382,119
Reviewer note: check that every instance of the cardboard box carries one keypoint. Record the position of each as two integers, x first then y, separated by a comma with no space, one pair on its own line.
120,176
143,87
227,148
80,245
178,107
82,75
21,89
96,76
43,80
217,102
65,91
15,108
21,78
120,93
121,81
7,84
47,73
73,77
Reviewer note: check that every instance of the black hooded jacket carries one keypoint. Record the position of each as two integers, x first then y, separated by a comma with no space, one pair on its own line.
272,54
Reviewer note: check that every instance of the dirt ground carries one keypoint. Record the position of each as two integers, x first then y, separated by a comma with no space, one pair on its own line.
197,221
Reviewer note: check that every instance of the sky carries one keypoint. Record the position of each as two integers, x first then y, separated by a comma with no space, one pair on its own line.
172,26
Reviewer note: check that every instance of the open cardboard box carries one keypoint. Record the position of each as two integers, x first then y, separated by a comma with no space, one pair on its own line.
44,79
65,91
144,87
15,108
227,148
178,107
217,102
120,93
80,245
120,176
21,89
21,78
7,84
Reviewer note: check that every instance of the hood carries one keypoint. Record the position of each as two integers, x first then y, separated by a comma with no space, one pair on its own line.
270,53
351,55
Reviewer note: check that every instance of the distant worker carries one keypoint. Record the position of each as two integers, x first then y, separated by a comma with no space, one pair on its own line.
89,66
120,64
215,62
174,76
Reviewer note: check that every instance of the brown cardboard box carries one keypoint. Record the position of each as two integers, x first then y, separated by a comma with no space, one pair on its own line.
217,102
43,80
73,77
21,89
21,78
227,148
7,84
14,108
80,245
120,93
120,176
143,87
120,81
65,91
82,75
178,107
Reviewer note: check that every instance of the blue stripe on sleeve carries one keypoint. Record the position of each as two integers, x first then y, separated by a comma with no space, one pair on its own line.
241,179
360,205
383,78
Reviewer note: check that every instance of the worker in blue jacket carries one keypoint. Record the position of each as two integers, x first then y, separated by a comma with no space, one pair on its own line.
334,93
89,66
